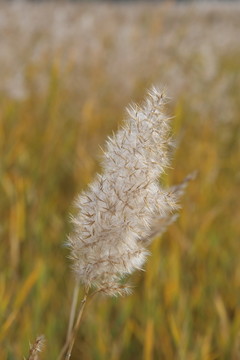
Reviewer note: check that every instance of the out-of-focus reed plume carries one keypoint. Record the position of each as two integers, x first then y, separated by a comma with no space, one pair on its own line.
36,348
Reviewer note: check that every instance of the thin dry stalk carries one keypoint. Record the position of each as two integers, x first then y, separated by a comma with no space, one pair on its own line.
73,309
68,346
76,327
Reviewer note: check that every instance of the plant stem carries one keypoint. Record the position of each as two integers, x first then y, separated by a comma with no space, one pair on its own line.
73,309
74,332
71,335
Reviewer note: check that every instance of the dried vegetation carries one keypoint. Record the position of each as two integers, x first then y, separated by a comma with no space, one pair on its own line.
67,72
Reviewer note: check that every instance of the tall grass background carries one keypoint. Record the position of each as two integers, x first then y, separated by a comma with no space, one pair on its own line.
67,73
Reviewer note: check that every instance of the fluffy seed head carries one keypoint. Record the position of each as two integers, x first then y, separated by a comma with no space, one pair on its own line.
125,206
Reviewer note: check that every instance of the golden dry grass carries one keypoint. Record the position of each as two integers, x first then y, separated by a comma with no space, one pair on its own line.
67,72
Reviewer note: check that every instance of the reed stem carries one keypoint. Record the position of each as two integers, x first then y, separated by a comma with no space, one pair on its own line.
76,327
72,332
73,309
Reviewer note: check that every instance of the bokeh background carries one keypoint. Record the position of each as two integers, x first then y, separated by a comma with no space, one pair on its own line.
68,70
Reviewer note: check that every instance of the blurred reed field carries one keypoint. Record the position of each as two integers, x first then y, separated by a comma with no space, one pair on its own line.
67,73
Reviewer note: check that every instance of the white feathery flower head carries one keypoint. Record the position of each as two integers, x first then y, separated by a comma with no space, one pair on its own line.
125,206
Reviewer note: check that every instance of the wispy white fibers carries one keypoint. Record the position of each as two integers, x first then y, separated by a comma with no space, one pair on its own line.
125,206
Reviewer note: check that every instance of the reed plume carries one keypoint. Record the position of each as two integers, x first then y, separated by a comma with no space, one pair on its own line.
125,206
36,348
